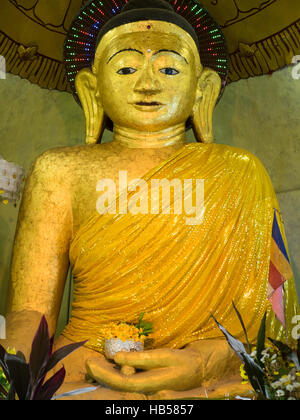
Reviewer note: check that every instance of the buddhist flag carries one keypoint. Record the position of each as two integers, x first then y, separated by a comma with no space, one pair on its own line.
280,271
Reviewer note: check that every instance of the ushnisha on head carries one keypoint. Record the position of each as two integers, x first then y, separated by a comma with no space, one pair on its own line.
147,75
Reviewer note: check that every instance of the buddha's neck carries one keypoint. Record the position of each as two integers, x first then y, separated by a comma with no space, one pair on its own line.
173,136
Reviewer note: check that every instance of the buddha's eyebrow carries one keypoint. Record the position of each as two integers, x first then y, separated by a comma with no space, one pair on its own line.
125,49
140,52
172,51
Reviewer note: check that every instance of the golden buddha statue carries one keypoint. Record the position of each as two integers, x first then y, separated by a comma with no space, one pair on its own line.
147,77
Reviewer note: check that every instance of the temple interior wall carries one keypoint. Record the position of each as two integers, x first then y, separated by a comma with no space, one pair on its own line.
259,114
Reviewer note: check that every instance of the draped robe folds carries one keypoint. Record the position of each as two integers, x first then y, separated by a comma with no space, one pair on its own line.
179,274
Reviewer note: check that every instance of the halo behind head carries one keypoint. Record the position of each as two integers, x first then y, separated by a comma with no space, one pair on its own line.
142,10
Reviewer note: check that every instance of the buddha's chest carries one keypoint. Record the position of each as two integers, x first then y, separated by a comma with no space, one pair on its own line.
103,180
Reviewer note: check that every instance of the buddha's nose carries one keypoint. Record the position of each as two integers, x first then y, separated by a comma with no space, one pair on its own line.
148,82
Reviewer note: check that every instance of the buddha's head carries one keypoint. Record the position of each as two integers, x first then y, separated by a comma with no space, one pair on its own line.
147,75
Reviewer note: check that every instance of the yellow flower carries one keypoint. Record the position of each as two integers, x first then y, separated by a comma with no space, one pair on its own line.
120,330
5,201
243,373
1,192
298,373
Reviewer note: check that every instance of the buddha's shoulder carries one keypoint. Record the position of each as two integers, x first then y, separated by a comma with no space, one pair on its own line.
62,159
231,155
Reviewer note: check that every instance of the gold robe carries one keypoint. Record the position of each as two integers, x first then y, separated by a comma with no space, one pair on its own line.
179,274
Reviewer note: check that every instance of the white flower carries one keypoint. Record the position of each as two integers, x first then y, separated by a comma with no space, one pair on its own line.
276,384
279,393
296,385
285,379
289,387
262,359
291,398
274,356
253,354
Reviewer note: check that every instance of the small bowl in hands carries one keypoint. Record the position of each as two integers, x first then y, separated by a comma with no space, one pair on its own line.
114,345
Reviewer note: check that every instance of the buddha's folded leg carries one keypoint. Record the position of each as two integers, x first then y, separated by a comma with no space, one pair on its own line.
74,363
221,373
229,389
100,393
219,360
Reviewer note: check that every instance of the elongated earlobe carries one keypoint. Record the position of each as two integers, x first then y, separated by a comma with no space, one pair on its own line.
86,86
209,86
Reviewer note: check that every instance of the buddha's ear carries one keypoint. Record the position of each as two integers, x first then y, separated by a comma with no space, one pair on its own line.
208,89
87,89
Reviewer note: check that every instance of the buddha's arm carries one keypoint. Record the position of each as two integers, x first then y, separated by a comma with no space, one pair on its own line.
40,255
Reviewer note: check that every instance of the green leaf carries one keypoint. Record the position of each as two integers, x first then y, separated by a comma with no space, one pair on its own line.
40,352
61,353
148,327
287,352
145,326
2,361
243,326
261,338
21,355
19,374
51,386
12,392
256,375
236,345
3,391
282,347
76,392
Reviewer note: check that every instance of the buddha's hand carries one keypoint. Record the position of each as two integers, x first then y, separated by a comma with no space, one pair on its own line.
176,370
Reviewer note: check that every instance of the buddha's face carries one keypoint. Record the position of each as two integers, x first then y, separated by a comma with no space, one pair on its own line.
147,80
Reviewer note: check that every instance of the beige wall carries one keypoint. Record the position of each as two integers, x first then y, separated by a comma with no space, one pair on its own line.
260,115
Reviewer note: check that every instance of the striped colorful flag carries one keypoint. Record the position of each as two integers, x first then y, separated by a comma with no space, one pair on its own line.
280,271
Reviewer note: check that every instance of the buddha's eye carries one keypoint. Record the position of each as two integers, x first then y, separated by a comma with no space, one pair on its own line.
126,70
169,71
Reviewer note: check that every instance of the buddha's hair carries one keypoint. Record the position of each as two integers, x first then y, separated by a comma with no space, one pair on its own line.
138,10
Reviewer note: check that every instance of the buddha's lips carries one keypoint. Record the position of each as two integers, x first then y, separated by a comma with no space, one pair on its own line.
147,106
148,103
